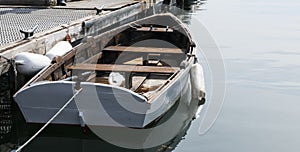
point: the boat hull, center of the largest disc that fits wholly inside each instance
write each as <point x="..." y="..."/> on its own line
<point x="97" y="104"/>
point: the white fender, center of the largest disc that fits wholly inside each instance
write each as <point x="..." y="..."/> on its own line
<point x="116" y="79"/>
<point x="59" y="49"/>
<point x="30" y="63"/>
<point x="197" y="80"/>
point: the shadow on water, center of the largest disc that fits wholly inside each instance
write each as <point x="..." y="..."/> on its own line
<point x="192" y="6"/>
<point x="188" y="8"/>
<point x="14" y="131"/>
<point x="6" y="116"/>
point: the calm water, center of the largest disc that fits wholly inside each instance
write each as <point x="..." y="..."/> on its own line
<point x="258" y="42"/>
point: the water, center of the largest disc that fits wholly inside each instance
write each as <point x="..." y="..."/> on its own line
<point x="258" y="42"/>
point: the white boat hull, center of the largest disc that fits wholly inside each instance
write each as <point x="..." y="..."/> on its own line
<point x="97" y="104"/>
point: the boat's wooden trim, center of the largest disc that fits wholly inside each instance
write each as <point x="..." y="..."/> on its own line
<point x="123" y="68"/>
<point x="144" y="49"/>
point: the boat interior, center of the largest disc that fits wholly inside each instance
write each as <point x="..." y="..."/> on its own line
<point x="143" y="59"/>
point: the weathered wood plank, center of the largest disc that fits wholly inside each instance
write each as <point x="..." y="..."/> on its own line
<point x="144" y="49"/>
<point x="123" y="68"/>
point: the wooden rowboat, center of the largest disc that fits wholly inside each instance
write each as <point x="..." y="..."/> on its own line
<point x="129" y="76"/>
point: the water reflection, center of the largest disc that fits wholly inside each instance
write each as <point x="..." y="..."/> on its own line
<point x="6" y="119"/>
<point x="193" y="6"/>
<point x="188" y="9"/>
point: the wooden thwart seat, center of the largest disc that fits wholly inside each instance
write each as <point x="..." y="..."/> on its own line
<point x="144" y="49"/>
<point x="123" y="68"/>
<point x="128" y="69"/>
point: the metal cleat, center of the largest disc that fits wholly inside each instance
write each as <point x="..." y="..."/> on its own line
<point x="99" y="9"/>
<point x="29" y="32"/>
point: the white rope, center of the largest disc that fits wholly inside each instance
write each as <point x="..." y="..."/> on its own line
<point x="132" y="26"/>
<point x="49" y="121"/>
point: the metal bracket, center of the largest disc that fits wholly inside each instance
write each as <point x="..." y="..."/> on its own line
<point x="190" y="54"/>
<point x="29" y="32"/>
<point x="99" y="9"/>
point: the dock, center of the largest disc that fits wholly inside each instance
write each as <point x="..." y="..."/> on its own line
<point x="54" y="22"/>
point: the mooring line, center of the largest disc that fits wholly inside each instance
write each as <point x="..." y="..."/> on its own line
<point x="2" y="56"/>
<point x="49" y="121"/>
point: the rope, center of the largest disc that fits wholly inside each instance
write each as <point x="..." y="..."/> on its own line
<point x="132" y="26"/>
<point x="2" y="56"/>
<point x="49" y="121"/>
